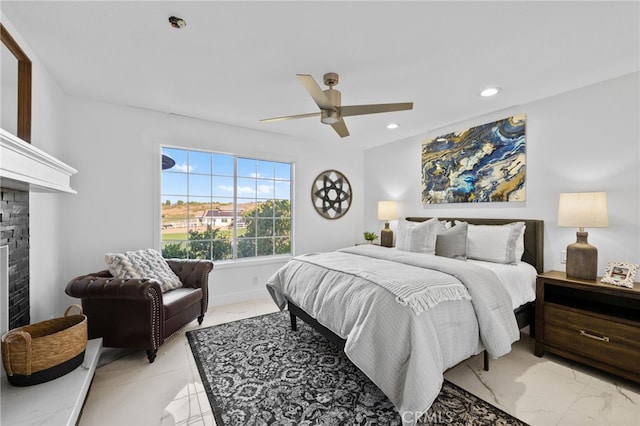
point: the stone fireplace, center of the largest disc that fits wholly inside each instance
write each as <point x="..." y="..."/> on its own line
<point x="14" y="237"/>
<point x="23" y="169"/>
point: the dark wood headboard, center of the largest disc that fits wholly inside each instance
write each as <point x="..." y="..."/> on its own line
<point x="533" y="235"/>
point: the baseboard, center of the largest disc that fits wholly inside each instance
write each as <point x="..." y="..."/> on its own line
<point x="237" y="297"/>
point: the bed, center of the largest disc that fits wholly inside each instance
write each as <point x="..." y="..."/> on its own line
<point x="404" y="316"/>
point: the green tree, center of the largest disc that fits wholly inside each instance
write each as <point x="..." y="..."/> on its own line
<point x="268" y="229"/>
<point x="174" y="251"/>
<point x="201" y="245"/>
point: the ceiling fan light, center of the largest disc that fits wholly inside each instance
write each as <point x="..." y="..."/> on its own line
<point x="329" y="117"/>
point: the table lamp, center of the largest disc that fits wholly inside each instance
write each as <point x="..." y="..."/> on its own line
<point x="387" y="211"/>
<point x="582" y="210"/>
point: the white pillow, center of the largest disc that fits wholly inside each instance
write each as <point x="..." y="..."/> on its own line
<point x="147" y="263"/>
<point x="443" y="225"/>
<point x="496" y="243"/>
<point x="418" y="237"/>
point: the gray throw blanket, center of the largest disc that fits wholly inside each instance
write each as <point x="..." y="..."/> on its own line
<point x="412" y="287"/>
<point x="498" y="325"/>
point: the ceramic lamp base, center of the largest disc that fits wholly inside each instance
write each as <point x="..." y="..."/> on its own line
<point x="386" y="236"/>
<point x="582" y="259"/>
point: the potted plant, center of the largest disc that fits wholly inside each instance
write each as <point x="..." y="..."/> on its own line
<point x="370" y="236"/>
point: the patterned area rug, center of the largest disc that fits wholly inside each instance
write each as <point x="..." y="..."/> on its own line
<point x="257" y="371"/>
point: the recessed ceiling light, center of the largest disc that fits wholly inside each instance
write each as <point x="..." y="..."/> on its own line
<point x="393" y="126"/>
<point x="489" y="91"/>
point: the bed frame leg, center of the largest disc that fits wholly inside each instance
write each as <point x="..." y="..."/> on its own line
<point x="486" y="361"/>
<point x="294" y="323"/>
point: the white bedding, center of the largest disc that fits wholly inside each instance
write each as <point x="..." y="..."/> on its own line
<point x="518" y="279"/>
<point x="402" y="352"/>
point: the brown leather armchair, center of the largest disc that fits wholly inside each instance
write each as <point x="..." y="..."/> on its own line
<point x="134" y="313"/>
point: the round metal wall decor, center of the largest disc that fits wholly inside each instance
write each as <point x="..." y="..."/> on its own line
<point x="331" y="194"/>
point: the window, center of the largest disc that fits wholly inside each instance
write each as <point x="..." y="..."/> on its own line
<point x="223" y="206"/>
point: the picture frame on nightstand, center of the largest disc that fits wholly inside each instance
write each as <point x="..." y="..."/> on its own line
<point x="620" y="273"/>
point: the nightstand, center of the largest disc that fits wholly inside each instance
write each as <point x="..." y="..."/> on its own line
<point x="590" y="322"/>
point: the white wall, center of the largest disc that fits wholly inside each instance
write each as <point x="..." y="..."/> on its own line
<point x="583" y="140"/>
<point x="116" y="151"/>
<point x="47" y="275"/>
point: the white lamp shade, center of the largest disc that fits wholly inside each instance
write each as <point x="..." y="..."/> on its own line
<point x="387" y="210"/>
<point x="583" y="210"/>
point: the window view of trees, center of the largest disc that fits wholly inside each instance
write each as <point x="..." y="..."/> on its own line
<point x="224" y="207"/>
<point x="268" y="230"/>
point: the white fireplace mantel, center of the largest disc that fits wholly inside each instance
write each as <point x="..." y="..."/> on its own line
<point x="27" y="168"/>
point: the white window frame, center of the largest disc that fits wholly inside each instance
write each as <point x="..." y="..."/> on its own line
<point x="257" y="258"/>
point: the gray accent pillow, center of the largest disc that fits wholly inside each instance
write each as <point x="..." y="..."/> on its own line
<point x="147" y="264"/>
<point x="452" y="242"/>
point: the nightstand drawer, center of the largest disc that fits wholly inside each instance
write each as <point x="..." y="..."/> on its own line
<point x="591" y="336"/>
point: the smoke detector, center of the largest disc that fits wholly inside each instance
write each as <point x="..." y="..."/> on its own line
<point x="177" y="22"/>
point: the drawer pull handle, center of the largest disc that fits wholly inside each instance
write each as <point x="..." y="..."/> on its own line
<point x="591" y="336"/>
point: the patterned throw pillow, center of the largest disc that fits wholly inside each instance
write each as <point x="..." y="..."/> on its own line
<point x="147" y="263"/>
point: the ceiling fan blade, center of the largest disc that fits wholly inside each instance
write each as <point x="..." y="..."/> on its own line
<point x="349" y="110"/>
<point x="316" y="92"/>
<point x="290" y="117"/>
<point x="341" y="128"/>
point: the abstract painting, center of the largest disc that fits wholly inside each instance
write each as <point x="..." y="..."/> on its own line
<point x="486" y="163"/>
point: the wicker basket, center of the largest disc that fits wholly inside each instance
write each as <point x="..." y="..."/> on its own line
<point x="46" y="350"/>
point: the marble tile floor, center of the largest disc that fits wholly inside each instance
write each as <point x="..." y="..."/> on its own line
<point x="127" y="390"/>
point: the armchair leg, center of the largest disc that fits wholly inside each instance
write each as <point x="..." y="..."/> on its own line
<point x="151" y="354"/>
<point x="200" y="319"/>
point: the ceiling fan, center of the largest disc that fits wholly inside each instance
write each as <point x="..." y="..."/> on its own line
<point x="331" y="112"/>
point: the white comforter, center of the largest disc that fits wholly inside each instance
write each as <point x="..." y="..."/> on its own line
<point x="402" y="352"/>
